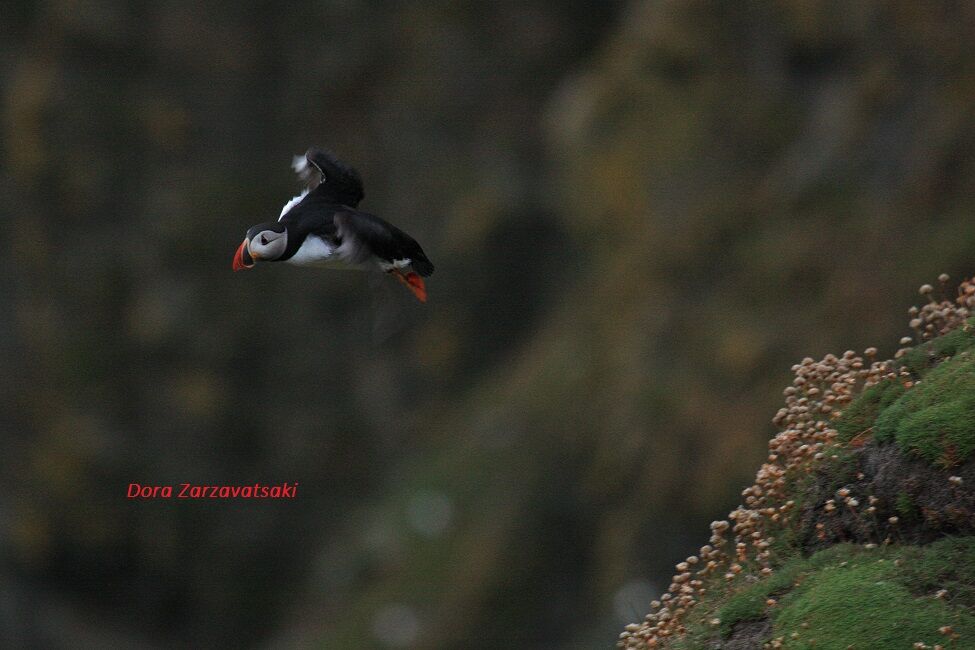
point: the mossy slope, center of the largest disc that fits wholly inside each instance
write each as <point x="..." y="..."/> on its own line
<point x="848" y="596"/>
<point x="873" y="546"/>
<point x="935" y="420"/>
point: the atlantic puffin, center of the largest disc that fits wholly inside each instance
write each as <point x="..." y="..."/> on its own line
<point x="322" y="227"/>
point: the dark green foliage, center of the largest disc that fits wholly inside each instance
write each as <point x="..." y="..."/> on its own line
<point x="861" y="414"/>
<point x="932" y="420"/>
<point x="857" y="600"/>
<point x="920" y="359"/>
<point x="848" y="596"/>
<point x="749" y="604"/>
<point x="906" y="507"/>
<point x="936" y="419"/>
<point x="947" y="564"/>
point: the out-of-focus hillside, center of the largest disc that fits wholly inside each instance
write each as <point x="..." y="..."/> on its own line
<point x="639" y="213"/>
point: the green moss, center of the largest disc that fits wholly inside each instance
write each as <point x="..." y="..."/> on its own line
<point x="749" y="604"/>
<point x="936" y="419"/>
<point x="862" y="603"/>
<point x="862" y="412"/>
<point x="954" y="342"/>
<point x="786" y="543"/>
<point x="906" y="507"/>
<point x="847" y="596"/>
<point x="947" y="564"/>
<point x="922" y="358"/>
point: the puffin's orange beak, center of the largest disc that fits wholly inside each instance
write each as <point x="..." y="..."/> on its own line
<point x="414" y="283"/>
<point x="242" y="258"/>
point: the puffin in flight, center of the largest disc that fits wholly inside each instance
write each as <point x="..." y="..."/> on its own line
<point x="322" y="227"/>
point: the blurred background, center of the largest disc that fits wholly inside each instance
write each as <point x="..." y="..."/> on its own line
<point x="642" y="213"/>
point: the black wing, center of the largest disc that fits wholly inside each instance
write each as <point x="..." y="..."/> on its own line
<point x="368" y="235"/>
<point x="329" y="177"/>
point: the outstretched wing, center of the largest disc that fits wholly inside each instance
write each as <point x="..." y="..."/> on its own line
<point x="365" y="235"/>
<point x="329" y="176"/>
<point x="307" y="172"/>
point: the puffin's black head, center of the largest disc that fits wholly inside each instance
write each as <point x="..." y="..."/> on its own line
<point x="265" y="242"/>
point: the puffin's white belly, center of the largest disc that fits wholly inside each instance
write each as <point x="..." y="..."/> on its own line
<point x="315" y="251"/>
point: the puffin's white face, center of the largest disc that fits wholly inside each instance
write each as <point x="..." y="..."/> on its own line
<point x="266" y="241"/>
<point x="268" y="245"/>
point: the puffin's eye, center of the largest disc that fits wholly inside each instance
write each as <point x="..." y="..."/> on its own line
<point x="263" y="240"/>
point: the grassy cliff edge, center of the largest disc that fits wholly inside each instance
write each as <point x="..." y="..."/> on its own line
<point x="859" y="531"/>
